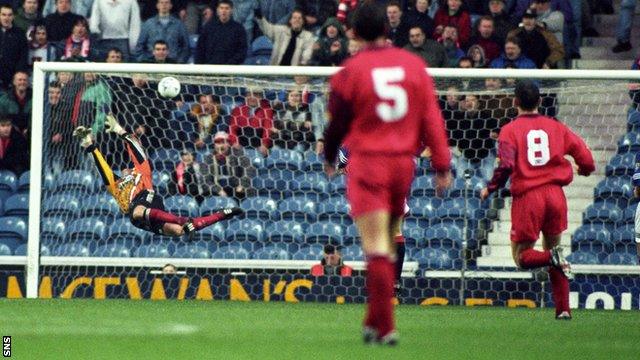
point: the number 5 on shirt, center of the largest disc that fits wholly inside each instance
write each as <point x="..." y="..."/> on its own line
<point x="385" y="85"/>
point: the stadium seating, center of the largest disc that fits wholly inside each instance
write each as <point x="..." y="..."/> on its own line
<point x="161" y="181"/>
<point x="334" y="209"/>
<point x="311" y="252"/>
<point x="152" y="251"/>
<point x="628" y="215"/>
<point x="285" y="159"/>
<point x="285" y="231"/>
<point x="433" y="258"/>
<point x="603" y="213"/>
<point x="215" y="203"/>
<point x="271" y="252"/>
<point x="52" y="230"/>
<point x="8" y="181"/>
<point x="325" y="233"/>
<point x="12" y="227"/>
<point x="234" y="251"/>
<point x="313" y="162"/>
<point x="71" y="250"/>
<point x="111" y="250"/>
<point x="298" y="208"/>
<point x="245" y="230"/>
<point x="630" y="142"/>
<point x="80" y="181"/>
<point x="583" y="257"/>
<point x="259" y="208"/>
<point x="182" y="205"/>
<point x="423" y="186"/>
<point x="23" y="181"/>
<point x="311" y="185"/>
<point x="621" y="258"/>
<point x="443" y="236"/>
<point x="63" y="205"/>
<point x="192" y="252"/>
<point x="338" y="186"/>
<point x="352" y="253"/>
<point x="86" y="230"/>
<point x="621" y="164"/>
<point x="100" y="205"/>
<point x="623" y="238"/>
<point x="215" y="232"/>
<point x="617" y="190"/>
<point x="5" y="250"/>
<point x="22" y="250"/>
<point x="122" y="232"/>
<point x="459" y="187"/>
<point x="594" y="238"/>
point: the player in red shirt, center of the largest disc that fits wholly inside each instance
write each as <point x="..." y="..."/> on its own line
<point x="531" y="150"/>
<point x="383" y="106"/>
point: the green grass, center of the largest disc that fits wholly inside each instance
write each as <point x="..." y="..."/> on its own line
<point x="125" y="329"/>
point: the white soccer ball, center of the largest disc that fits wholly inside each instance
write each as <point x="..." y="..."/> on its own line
<point x="169" y="87"/>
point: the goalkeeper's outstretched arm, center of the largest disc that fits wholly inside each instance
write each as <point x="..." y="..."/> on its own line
<point x="106" y="173"/>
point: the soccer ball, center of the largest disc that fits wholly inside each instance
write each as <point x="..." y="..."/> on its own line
<point x="169" y="87"/>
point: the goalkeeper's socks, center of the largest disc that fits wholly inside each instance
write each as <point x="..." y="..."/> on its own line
<point x="204" y="221"/>
<point x="380" y="274"/>
<point x="559" y="290"/>
<point x="156" y="215"/>
<point x="531" y="259"/>
<point x="400" y="250"/>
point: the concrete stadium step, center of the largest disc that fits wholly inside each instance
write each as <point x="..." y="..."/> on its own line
<point x="609" y="41"/>
<point x="592" y="95"/>
<point x="596" y="133"/>
<point x="597" y="111"/>
<point x="601" y="52"/>
<point x="596" y="120"/>
<point x="504" y="251"/>
<point x="602" y="64"/>
<point x="610" y="31"/>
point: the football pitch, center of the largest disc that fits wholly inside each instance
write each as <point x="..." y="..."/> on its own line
<point x="125" y="329"/>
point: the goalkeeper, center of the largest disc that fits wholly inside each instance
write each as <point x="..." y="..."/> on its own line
<point x="134" y="190"/>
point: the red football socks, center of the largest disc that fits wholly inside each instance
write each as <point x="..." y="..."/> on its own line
<point x="204" y="221"/>
<point x="380" y="275"/>
<point x="559" y="290"/>
<point x="160" y="216"/>
<point x="531" y="259"/>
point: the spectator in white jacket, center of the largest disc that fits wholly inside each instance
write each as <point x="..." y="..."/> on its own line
<point x="80" y="7"/>
<point x="292" y="45"/>
<point x="117" y="22"/>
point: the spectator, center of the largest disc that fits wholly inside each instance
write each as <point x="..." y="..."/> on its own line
<point x="512" y="57"/>
<point x="160" y="54"/>
<point x="13" y="47"/>
<point x="188" y="178"/>
<point x="27" y="15"/>
<point x="60" y="23"/>
<point x="345" y="9"/>
<point x="354" y="47"/>
<point x="623" y="29"/>
<point x="332" y="45"/>
<point x="117" y="23"/>
<point x="465" y="62"/>
<point x="419" y="16"/>
<point x="228" y="172"/>
<point x="195" y="14"/>
<point x="317" y="12"/>
<point x="251" y="124"/>
<point x="16" y="102"/>
<point x="501" y="22"/>
<point x="331" y="263"/>
<point x="453" y="15"/>
<point x="91" y="98"/>
<point x="450" y="104"/>
<point x="398" y="31"/>
<point x="476" y="53"/>
<point x="552" y="20"/>
<point x="114" y="55"/>
<point x="498" y="105"/>
<point x="429" y="50"/>
<point x="206" y="112"/>
<point x="39" y="47"/>
<point x="319" y="118"/>
<point x="167" y="28"/>
<point x="14" y="152"/>
<point x="450" y="42"/>
<point x="293" y="123"/>
<point x="78" y="44"/>
<point x="486" y="39"/>
<point x="533" y="44"/>
<point x="80" y="7"/>
<point x="292" y="45"/>
<point x="223" y="41"/>
<point x="56" y="111"/>
<point x="243" y="11"/>
<point x="277" y="11"/>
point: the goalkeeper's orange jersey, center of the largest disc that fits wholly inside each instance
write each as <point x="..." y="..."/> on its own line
<point x="125" y="189"/>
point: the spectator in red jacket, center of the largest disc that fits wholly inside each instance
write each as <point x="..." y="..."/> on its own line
<point x="331" y="263"/>
<point x="251" y="124"/>
<point x="14" y="152"/>
<point x="486" y="39"/>
<point x="454" y="15"/>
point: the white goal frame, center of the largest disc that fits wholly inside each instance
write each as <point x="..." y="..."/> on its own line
<point x="33" y="260"/>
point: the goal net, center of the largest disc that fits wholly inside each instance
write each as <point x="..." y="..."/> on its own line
<point x="248" y="137"/>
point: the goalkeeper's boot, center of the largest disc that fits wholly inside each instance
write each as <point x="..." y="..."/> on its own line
<point x="558" y="260"/>
<point x="565" y="315"/>
<point x="231" y="212"/>
<point x="369" y="335"/>
<point x="84" y="135"/>
<point x="391" y="339"/>
<point x="111" y="125"/>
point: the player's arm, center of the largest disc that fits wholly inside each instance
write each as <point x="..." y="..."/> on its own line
<point x="506" y="163"/>
<point x="108" y="177"/>
<point x="137" y="154"/>
<point x="341" y="118"/>
<point x="578" y="149"/>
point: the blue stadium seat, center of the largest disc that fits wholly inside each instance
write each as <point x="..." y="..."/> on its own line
<point x="4" y="250"/>
<point x="21" y="250"/>
<point x="257" y="60"/>
<point x="623" y="238"/>
<point x="285" y="231"/>
<point x="324" y="233"/>
<point x="338" y="185"/>
<point x="297" y="208"/>
<point x="443" y="236"/>
<point x="269" y="187"/>
<point x="256" y="158"/>
<point x="616" y="190"/>
<point x="8" y="181"/>
<point x="334" y="209"/>
<point x="162" y="154"/>
<point x="260" y="208"/>
<point x="10" y="243"/>
<point x="215" y="232"/>
<point x="433" y="258"/>
<point x="245" y="230"/>
<point x="271" y="252"/>
<point x="215" y="203"/>
<point x="621" y="258"/>
<point x="192" y="252"/>
<point x="182" y="205"/>
<point x="152" y="251"/>
<point x="628" y="214"/>
<point x="23" y="181"/>
<point x="121" y="231"/>
<point x="313" y="162"/>
<point x="75" y="180"/>
<point x="86" y="230"/>
<point x="603" y="213"/>
<point x="458" y="189"/>
<point x="351" y="235"/>
<point x="261" y="46"/>
<point x="100" y="205"/>
<point x="71" y="250"/>
<point x="633" y="121"/>
<point x="311" y="252"/>
<point x="234" y="252"/>
<point x="413" y="235"/>
<point x="13" y="228"/>
<point x="64" y="206"/>
<point x="423" y="186"/>
<point x="111" y="250"/>
<point x="278" y="174"/>
<point x="595" y="238"/>
<point x="52" y="230"/>
<point x="311" y="183"/>
<point x="48" y="183"/>
<point x="352" y="253"/>
<point x="17" y="205"/>
<point x="583" y="257"/>
<point x="285" y="159"/>
<point x="630" y="142"/>
<point x="453" y="212"/>
<point x="621" y="164"/>
<point x="161" y="181"/>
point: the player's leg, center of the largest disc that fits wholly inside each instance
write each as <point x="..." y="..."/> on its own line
<point x="559" y="280"/>
<point x="527" y="217"/>
<point x="398" y="240"/>
<point x="202" y="222"/>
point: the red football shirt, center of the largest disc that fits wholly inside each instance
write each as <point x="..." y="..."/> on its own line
<point x="532" y="149"/>
<point x="383" y="102"/>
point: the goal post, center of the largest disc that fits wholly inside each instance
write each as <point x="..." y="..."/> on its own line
<point x="610" y="85"/>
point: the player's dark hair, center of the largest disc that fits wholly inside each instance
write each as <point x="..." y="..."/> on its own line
<point x="527" y="95"/>
<point x="7" y="6"/>
<point x="55" y="84"/>
<point x="228" y="2"/>
<point x="369" y="21"/>
<point x="395" y="3"/>
<point x="513" y="40"/>
<point x="160" y="42"/>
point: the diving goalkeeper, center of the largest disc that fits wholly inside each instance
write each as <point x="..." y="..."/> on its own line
<point x="134" y="190"/>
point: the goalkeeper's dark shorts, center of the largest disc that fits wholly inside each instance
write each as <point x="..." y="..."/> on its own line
<point x="148" y="199"/>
